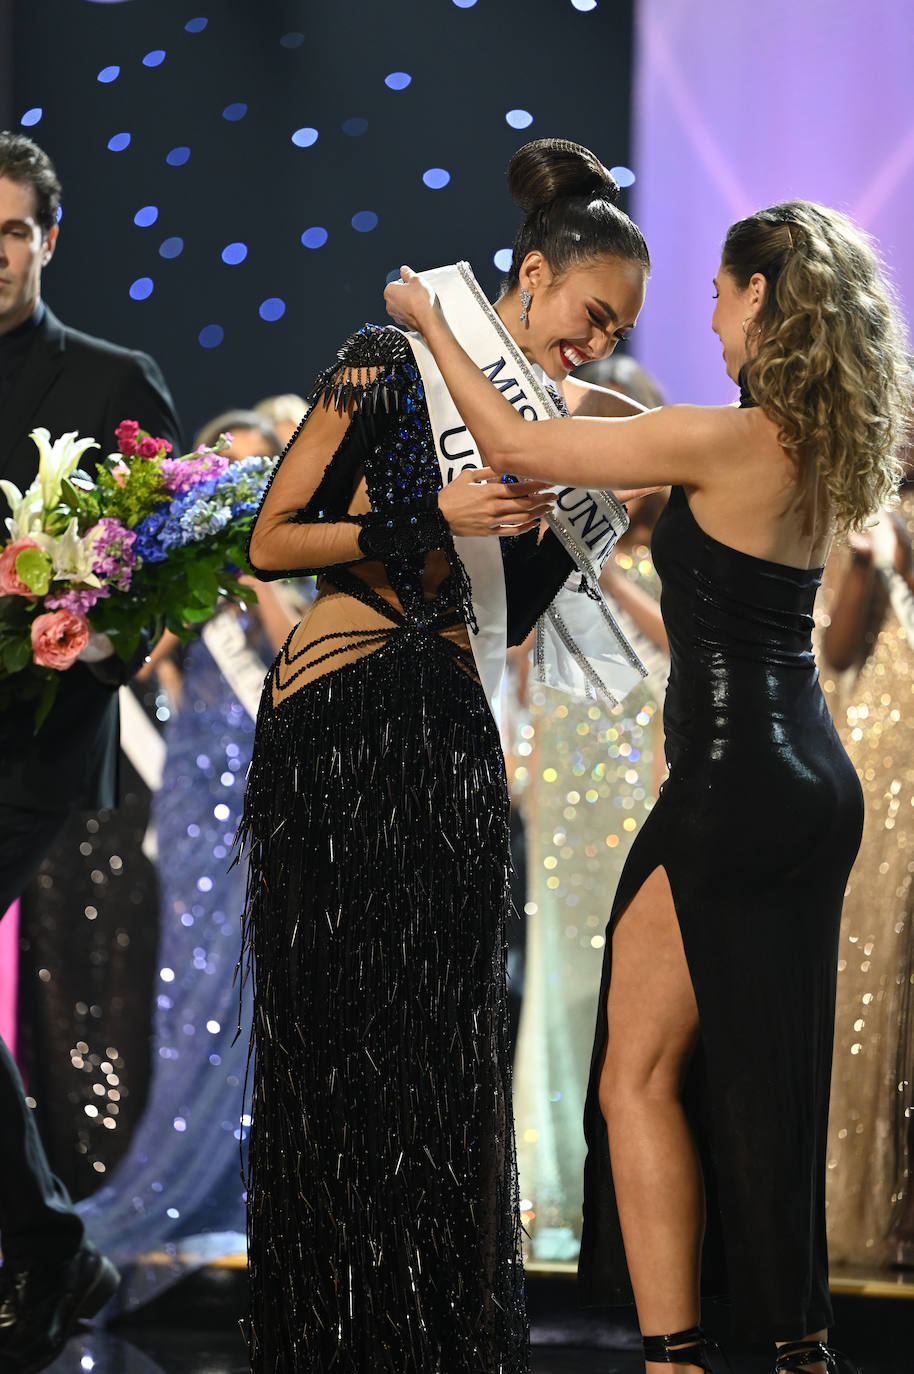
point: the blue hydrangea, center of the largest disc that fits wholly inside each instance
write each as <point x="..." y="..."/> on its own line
<point x="204" y="510"/>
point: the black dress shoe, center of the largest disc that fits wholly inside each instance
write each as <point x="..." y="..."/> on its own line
<point x="41" y="1306"/>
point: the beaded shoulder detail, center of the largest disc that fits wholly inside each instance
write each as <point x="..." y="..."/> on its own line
<point x="363" y="371"/>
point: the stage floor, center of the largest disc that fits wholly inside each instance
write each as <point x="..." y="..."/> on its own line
<point x="192" y="1329"/>
<point x="188" y="1352"/>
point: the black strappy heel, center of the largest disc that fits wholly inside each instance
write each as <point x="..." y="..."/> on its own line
<point x="682" y="1347"/>
<point x="796" y="1356"/>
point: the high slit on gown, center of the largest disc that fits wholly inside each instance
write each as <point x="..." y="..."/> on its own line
<point x="756" y="828"/>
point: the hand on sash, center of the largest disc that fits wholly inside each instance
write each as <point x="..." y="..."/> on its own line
<point x="409" y="301"/>
<point x="478" y="502"/>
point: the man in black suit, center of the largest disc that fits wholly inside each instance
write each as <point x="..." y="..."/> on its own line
<point x="54" y="377"/>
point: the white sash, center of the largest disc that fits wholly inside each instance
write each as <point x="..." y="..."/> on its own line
<point x="243" y="669"/>
<point x="140" y="740"/>
<point x="656" y="662"/>
<point x="885" y="541"/>
<point x="579" y="647"/>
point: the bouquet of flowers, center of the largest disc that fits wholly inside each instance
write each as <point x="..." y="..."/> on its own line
<point x="92" y="564"/>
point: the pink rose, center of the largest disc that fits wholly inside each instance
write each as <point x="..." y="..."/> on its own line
<point x="127" y="447"/>
<point x="127" y="429"/>
<point x="148" y="447"/>
<point x="58" y="637"/>
<point x="164" y="445"/>
<point x="11" y="583"/>
<point x="120" y="472"/>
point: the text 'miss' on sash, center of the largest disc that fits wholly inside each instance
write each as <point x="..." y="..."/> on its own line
<point x="579" y="648"/>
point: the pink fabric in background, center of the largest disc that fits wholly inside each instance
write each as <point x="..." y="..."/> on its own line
<point x="9" y="975"/>
<point x="738" y="105"/>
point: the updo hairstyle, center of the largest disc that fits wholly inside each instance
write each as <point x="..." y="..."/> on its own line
<point x="569" y="202"/>
<point x="830" y="364"/>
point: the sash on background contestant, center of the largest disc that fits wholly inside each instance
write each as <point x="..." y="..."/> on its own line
<point x="579" y="647"/>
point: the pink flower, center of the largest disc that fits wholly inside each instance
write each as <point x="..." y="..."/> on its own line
<point x="58" y="638"/>
<point x="164" y="445"/>
<point x="127" y="447"/>
<point x="148" y="447"/>
<point x="127" y="429"/>
<point x="11" y="583"/>
<point x="120" y="472"/>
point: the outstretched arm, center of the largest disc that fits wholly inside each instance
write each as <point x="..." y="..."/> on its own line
<point x="659" y="448"/>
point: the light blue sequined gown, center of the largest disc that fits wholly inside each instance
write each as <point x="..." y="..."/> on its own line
<point x="181" y="1176"/>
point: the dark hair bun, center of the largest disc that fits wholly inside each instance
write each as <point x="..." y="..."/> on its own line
<point x="551" y="168"/>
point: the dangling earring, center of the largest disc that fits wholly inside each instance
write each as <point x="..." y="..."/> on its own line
<point x="745" y="330"/>
<point x="525" y="302"/>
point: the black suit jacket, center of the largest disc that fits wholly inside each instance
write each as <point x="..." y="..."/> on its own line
<point x="71" y="381"/>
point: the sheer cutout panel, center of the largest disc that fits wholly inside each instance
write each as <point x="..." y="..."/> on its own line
<point x="338" y="629"/>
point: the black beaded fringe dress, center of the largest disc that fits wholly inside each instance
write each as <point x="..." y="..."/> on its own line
<point x="756" y="827"/>
<point x="384" y="1234"/>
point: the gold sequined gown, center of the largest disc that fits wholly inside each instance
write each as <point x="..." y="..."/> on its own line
<point x="869" y="1207"/>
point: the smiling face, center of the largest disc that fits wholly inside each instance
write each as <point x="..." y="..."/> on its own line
<point x="735" y="306"/>
<point x="579" y="315"/>
<point x="24" y="250"/>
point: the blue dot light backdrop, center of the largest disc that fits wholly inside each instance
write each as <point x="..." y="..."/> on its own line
<point x="241" y="180"/>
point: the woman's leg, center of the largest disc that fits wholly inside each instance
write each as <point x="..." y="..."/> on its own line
<point x="653" y="1031"/>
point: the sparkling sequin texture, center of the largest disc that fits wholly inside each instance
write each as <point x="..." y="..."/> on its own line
<point x="586" y="778"/>
<point x="871" y="1119"/>
<point x="384" y="1232"/>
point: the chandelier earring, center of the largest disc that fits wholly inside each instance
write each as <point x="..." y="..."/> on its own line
<point x="526" y="301"/>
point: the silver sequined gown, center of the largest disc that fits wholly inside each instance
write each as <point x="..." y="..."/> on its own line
<point x="383" y="1222"/>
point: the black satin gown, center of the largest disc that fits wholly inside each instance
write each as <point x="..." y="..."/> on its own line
<point x="757" y="827"/>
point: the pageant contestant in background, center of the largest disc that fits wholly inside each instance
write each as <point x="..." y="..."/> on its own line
<point x="867" y="648"/>
<point x="383" y="1218"/>
<point x="179" y="1187"/>
<point x="713" y="1047"/>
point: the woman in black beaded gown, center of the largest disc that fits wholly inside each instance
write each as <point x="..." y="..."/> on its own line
<point x="707" y="1110"/>
<point x="383" y="1222"/>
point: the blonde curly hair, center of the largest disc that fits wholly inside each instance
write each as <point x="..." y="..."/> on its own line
<point x="829" y="363"/>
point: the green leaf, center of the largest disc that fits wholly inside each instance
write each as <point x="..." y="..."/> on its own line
<point x="33" y="566"/>
<point x="194" y="614"/>
<point x="238" y="591"/>
<point x="202" y="582"/>
<point x="16" y="655"/>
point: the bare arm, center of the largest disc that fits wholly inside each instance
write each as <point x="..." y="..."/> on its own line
<point x="270" y="611"/>
<point x="475" y="503"/>
<point x="659" y="448"/>
<point x="844" y="638"/>
<point x="639" y="604"/>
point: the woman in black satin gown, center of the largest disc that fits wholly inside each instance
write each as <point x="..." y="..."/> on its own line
<point x="707" y="1109"/>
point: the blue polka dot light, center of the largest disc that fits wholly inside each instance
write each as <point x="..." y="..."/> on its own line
<point x="238" y="189"/>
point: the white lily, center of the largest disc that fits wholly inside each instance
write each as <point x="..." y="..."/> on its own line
<point x="27" y="511"/>
<point x="56" y="462"/>
<point x="71" y="556"/>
